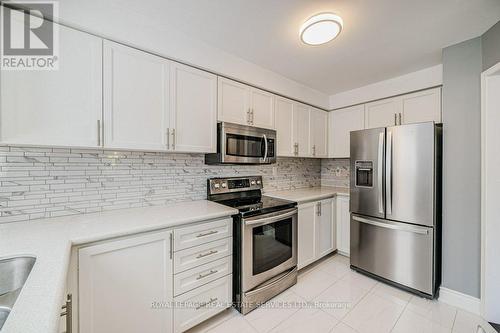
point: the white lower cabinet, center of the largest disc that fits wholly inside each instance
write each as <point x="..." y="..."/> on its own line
<point x="306" y="234"/>
<point x="202" y="303"/>
<point x="153" y="282"/>
<point x="316" y="231"/>
<point x="343" y="225"/>
<point x="120" y="280"/>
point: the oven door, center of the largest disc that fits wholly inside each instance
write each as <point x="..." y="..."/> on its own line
<point x="269" y="246"/>
<point x="244" y="144"/>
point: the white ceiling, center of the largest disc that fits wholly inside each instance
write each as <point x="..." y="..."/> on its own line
<point x="381" y="38"/>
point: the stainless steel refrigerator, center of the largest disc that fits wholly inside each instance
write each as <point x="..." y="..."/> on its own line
<point x="395" y="204"/>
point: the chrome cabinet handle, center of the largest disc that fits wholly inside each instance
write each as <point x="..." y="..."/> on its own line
<point x="207" y="233"/>
<point x="173" y="138"/>
<point x="395" y="119"/>
<point x="201" y="276"/>
<point x="201" y="255"/>
<point x="68" y="309"/>
<point x="98" y="132"/>
<point x="400" y="118"/>
<point x="204" y="304"/>
<point x="320" y="209"/>
<point x="314" y="150"/>
<point x="168" y="138"/>
<point x="295" y="149"/>
<point x="248" y="116"/>
<point x="251" y="114"/>
<point x="317" y="209"/>
<point x="171" y="237"/>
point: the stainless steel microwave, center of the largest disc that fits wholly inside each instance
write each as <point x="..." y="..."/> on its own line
<point x="239" y="144"/>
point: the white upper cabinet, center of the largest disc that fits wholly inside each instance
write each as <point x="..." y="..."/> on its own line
<point x="422" y="106"/>
<point x="410" y="108"/>
<point x="319" y="132"/>
<point x="341" y="123"/>
<point x="193" y="109"/>
<point x="61" y="107"/>
<point x="284" y="126"/>
<point x="301" y="130"/>
<point x="262" y="108"/>
<point x="382" y="113"/>
<point x="136" y="98"/>
<point x="233" y="102"/>
<point x="245" y="105"/>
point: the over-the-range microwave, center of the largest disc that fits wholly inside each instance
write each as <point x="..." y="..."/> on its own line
<point x="239" y="144"/>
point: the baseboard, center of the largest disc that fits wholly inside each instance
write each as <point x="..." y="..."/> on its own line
<point x="460" y="300"/>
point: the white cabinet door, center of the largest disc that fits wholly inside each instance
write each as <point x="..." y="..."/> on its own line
<point x="325" y="228"/>
<point x="262" y="108"/>
<point x="284" y="126"/>
<point x="233" y="102"/>
<point x="422" y="106"/>
<point x="318" y="130"/>
<point x="60" y="107"/>
<point x="301" y="129"/>
<point x="343" y="225"/>
<point x="193" y="109"/>
<point x="136" y="98"/>
<point x="341" y="123"/>
<point x="118" y="282"/>
<point x="306" y="234"/>
<point x="382" y="113"/>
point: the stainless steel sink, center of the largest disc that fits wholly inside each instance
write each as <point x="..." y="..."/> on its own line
<point x="13" y="274"/>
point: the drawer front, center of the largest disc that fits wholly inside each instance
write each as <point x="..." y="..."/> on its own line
<point x="202" y="233"/>
<point x="201" y="275"/>
<point x="202" y="303"/>
<point x="202" y="254"/>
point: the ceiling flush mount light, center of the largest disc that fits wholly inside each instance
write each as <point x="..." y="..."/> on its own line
<point x="321" y="28"/>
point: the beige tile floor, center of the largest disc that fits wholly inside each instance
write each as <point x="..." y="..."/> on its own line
<point x="362" y="305"/>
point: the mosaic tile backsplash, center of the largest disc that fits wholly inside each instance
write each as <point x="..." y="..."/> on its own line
<point x="48" y="182"/>
<point x="335" y="172"/>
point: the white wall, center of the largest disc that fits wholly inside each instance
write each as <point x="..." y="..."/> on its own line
<point x="132" y="29"/>
<point x="425" y="78"/>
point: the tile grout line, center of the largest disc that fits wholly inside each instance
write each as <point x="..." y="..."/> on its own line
<point x="401" y="314"/>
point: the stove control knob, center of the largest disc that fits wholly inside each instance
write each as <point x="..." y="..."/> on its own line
<point x="252" y="182"/>
<point x="224" y="185"/>
<point x="216" y="185"/>
<point x="258" y="182"/>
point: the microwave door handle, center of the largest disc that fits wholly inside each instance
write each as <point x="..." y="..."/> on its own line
<point x="265" y="147"/>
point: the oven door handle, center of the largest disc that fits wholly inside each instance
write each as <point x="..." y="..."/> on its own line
<point x="272" y="284"/>
<point x="269" y="218"/>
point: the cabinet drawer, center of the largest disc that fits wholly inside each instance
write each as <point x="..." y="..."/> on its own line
<point x="201" y="275"/>
<point x="202" y="254"/>
<point x="202" y="303"/>
<point x="202" y="233"/>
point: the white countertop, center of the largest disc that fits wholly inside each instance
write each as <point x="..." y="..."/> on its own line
<point x="302" y="195"/>
<point x="38" y="306"/>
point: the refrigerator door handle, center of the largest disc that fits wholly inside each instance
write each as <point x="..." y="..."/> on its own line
<point x="388" y="173"/>
<point x="380" y="173"/>
<point x="414" y="229"/>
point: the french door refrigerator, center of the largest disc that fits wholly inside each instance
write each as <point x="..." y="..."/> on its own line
<point x="395" y="205"/>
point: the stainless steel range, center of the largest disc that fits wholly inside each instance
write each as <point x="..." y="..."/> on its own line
<point x="264" y="240"/>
